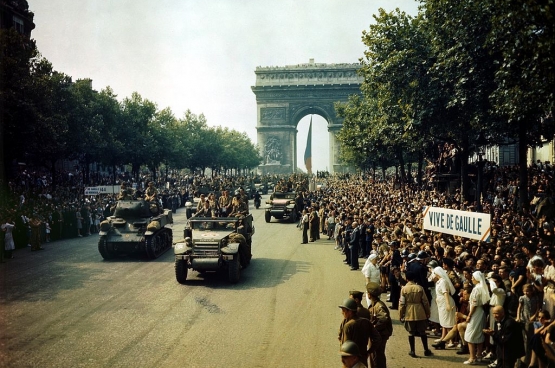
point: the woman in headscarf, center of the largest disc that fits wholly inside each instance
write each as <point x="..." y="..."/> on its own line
<point x="371" y="270"/>
<point x="476" y="317"/>
<point x="445" y="303"/>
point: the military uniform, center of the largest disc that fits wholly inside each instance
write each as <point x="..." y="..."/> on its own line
<point x="360" y="331"/>
<point x="151" y="193"/>
<point x="225" y="204"/>
<point x="240" y="209"/>
<point x="380" y="318"/>
<point x="414" y="308"/>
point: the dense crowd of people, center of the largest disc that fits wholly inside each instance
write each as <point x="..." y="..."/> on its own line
<point x="37" y="212"/>
<point x="469" y="294"/>
<point x="492" y="301"/>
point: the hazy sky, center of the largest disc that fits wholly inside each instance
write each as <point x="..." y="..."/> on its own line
<point x="201" y="54"/>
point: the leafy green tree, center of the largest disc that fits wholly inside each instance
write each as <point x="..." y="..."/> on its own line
<point x="17" y="54"/>
<point x="138" y="139"/>
<point x="49" y="134"/>
<point x="110" y="146"/>
<point x="388" y="120"/>
<point x="463" y="73"/>
<point x="523" y="34"/>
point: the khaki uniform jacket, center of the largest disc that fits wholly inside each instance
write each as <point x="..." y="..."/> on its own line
<point x="361" y="332"/>
<point x="413" y="305"/>
<point x="380" y="318"/>
<point x="224" y="202"/>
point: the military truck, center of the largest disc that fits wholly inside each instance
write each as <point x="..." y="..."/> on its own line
<point x="137" y="226"/>
<point x="282" y="206"/>
<point x="213" y="244"/>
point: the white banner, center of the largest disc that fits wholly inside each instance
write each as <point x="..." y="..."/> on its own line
<point x="102" y="189"/>
<point x="473" y="225"/>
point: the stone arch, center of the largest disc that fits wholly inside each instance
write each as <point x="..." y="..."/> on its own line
<point x="281" y="103"/>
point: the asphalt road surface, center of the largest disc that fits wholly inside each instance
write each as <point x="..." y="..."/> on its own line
<point x="67" y="307"/>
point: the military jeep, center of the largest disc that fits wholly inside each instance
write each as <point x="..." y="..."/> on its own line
<point x="213" y="244"/>
<point x="281" y="205"/>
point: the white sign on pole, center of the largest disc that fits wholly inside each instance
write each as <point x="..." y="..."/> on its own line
<point x="473" y="225"/>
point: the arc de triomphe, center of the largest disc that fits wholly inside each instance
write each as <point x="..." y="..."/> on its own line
<point x="284" y="95"/>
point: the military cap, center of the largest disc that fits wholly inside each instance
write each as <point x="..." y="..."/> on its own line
<point x="356" y="294"/>
<point x="374" y="289"/>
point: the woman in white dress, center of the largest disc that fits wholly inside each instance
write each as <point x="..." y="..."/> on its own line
<point x="445" y="303"/>
<point x="476" y="317"/>
<point x="371" y="271"/>
<point x="9" y="244"/>
<point x="434" y="313"/>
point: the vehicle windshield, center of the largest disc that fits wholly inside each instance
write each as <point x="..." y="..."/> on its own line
<point x="278" y="195"/>
<point x="211" y="224"/>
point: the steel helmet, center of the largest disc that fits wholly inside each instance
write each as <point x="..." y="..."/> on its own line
<point x="433" y="264"/>
<point x="349" y="304"/>
<point x="411" y="256"/>
<point x="405" y="253"/>
<point x="422" y="255"/>
<point x="349" y="348"/>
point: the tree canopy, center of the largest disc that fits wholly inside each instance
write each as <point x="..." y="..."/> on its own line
<point x="455" y="70"/>
<point x="47" y="117"/>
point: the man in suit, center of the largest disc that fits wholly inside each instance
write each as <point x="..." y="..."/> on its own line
<point x="354" y="243"/>
<point x="507" y="336"/>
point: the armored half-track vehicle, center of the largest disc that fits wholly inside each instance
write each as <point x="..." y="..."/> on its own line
<point x="281" y="206"/>
<point x="212" y="244"/>
<point x="136" y="226"/>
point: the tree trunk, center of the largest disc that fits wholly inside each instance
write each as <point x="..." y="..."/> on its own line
<point x="403" y="178"/>
<point x="53" y="173"/>
<point x="420" y="164"/>
<point x="463" y="161"/>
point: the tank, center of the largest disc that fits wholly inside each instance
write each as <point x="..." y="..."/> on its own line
<point x="136" y="227"/>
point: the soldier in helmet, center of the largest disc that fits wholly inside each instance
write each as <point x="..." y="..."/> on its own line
<point x="350" y="355"/>
<point x="359" y="330"/>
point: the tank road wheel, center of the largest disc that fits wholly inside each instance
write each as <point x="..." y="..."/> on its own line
<point x="103" y="248"/>
<point x="150" y="244"/>
<point x="267" y="216"/>
<point x="180" y="270"/>
<point x="158" y="243"/>
<point x="234" y="269"/>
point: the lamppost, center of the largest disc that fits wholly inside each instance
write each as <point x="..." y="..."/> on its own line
<point x="481" y="143"/>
